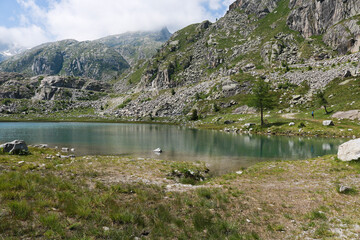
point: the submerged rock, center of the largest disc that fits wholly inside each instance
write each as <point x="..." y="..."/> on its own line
<point x="349" y="151"/>
<point x="15" y="147"/>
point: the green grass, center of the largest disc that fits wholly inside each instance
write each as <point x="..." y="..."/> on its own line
<point x="52" y="203"/>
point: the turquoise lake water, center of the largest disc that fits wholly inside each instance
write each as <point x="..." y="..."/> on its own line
<point x="222" y="151"/>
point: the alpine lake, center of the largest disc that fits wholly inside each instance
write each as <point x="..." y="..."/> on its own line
<point x="223" y="152"/>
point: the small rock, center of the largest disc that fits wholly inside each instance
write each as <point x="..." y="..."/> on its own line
<point x="239" y="172"/>
<point x="65" y="149"/>
<point x="248" y="125"/>
<point x="328" y="123"/>
<point x="158" y="150"/>
<point x="344" y="189"/>
<point x="296" y="97"/>
<point x="291" y="124"/>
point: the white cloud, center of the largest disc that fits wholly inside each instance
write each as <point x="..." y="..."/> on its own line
<point x="92" y="19"/>
<point x="25" y="37"/>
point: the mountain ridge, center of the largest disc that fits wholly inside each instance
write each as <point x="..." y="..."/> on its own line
<point x="98" y="59"/>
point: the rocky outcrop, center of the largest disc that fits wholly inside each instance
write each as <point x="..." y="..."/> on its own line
<point x="259" y="7"/>
<point x="324" y="17"/>
<point x="349" y="151"/>
<point x="61" y="88"/>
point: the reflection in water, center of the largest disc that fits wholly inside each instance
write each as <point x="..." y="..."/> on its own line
<point x="222" y="151"/>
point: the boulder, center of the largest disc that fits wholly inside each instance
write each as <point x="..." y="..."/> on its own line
<point x="328" y="123"/>
<point x="349" y="151"/>
<point x="15" y="147"/>
<point x="352" y="115"/>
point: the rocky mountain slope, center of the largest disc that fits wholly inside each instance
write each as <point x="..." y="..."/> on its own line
<point x="300" y="42"/>
<point x="134" y="46"/>
<point x="99" y="59"/>
<point x="69" y="58"/>
<point x="299" y="46"/>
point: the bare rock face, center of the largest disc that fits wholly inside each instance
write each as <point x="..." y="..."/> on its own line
<point x="349" y="151"/>
<point x="260" y="7"/>
<point x="324" y="17"/>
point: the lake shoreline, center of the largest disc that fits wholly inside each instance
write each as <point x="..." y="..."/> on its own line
<point x="204" y="124"/>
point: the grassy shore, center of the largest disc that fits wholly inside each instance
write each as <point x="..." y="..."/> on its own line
<point x="46" y="197"/>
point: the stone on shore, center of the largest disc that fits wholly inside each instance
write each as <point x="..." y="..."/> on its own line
<point x="349" y="151"/>
<point x="248" y="125"/>
<point x="15" y="147"/>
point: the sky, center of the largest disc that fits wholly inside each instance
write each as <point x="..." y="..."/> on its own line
<point x="28" y="23"/>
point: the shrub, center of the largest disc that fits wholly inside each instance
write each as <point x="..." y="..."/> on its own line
<point x="194" y="115"/>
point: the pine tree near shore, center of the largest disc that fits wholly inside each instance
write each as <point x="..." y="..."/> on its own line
<point x="262" y="98"/>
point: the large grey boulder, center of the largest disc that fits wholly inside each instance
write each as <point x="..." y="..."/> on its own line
<point x="15" y="147"/>
<point x="349" y="151"/>
<point x="352" y="115"/>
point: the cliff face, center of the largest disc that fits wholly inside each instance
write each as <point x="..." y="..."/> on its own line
<point x="337" y="20"/>
<point x="258" y="7"/>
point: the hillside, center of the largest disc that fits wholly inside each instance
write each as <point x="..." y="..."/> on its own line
<point x="211" y="67"/>
<point x="214" y="63"/>
<point x="103" y="59"/>
<point x="70" y="58"/>
<point x="134" y="46"/>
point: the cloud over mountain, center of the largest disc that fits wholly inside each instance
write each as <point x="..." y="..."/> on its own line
<point x="91" y="19"/>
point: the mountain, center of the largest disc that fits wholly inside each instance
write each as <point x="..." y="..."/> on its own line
<point x="134" y="46"/>
<point x="99" y="59"/>
<point x="70" y="58"/>
<point x="283" y="41"/>
<point x="299" y="46"/>
<point x="7" y="51"/>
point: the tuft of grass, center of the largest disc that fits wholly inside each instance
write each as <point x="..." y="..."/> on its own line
<point x="20" y="210"/>
<point x="316" y="215"/>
